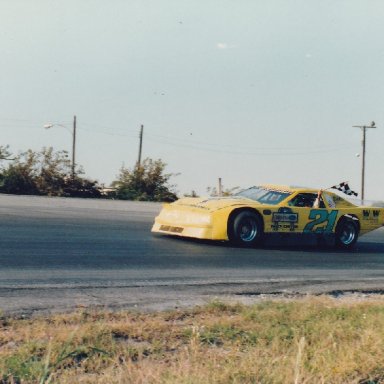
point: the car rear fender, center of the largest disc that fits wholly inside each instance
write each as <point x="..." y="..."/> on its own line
<point x="350" y="217"/>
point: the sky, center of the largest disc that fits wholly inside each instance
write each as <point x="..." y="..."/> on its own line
<point x="251" y="91"/>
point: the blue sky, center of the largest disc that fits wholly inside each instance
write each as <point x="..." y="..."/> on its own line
<point x="249" y="91"/>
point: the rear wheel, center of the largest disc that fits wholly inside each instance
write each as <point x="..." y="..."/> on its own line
<point x="246" y="229"/>
<point x="347" y="233"/>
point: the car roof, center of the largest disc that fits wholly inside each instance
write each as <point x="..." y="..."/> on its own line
<point x="288" y="189"/>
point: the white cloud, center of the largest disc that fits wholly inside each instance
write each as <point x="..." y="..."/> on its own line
<point x="224" y="46"/>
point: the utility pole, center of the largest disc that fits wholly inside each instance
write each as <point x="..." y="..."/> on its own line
<point x="140" y="145"/>
<point x="220" y="192"/>
<point x="364" y="129"/>
<point x="74" y="147"/>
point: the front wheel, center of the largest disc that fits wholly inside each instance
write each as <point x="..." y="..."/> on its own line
<point x="347" y="233"/>
<point x="246" y="229"/>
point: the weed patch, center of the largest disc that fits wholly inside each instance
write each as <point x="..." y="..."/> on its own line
<point x="302" y="341"/>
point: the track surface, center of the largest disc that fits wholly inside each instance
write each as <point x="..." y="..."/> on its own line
<point x="57" y="254"/>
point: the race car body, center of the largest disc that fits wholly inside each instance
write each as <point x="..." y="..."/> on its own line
<point x="247" y="216"/>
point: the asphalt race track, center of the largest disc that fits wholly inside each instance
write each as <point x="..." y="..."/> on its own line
<point x="57" y="254"/>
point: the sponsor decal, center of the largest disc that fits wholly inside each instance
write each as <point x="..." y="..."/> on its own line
<point x="284" y="215"/>
<point x="318" y="217"/>
<point x="371" y="215"/>
<point x="168" y="228"/>
<point x="291" y="227"/>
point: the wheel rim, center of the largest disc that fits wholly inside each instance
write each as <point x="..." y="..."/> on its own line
<point x="348" y="234"/>
<point x="248" y="230"/>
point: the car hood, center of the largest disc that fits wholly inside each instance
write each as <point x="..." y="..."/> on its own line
<point x="213" y="203"/>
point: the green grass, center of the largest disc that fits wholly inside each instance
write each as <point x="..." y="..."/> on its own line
<point x="311" y="340"/>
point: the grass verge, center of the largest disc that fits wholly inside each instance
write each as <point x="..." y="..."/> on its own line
<point x="311" y="340"/>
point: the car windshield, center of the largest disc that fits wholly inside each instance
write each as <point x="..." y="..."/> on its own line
<point x="263" y="195"/>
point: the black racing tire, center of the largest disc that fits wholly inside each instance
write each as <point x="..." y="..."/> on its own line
<point x="346" y="234"/>
<point x="246" y="229"/>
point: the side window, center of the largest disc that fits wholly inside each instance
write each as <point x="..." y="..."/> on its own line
<point x="329" y="200"/>
<point x="303" y="200"/>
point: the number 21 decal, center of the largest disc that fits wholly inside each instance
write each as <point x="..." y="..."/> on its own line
<point x="320" y="216"/>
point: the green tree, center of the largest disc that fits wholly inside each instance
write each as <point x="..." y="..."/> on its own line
<point x="145" y="182"/>
<point x="81" y="187"/>
<point x="18" y="178"/>
<point x="4" y="152"/>
<point x="45" y="173"/>
<point x="50" y="170"/>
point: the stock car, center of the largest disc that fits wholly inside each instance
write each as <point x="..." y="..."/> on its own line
<point x="245" y="218"/>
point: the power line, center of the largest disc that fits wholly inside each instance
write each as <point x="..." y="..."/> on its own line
<point x="190" y="143"/>
<point x="255" y="151"/>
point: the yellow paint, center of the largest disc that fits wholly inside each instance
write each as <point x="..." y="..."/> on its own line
<point x="207" y="218"/>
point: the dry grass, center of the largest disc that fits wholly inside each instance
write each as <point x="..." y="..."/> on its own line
<point x="312" y="340"/>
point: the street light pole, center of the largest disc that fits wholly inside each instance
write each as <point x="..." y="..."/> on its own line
<point x="73" y="165"/>
<point x="74" y="147"/>
<point x="364" y="129"/>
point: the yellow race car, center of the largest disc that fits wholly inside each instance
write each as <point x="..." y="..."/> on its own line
<point x="246" y="217"/>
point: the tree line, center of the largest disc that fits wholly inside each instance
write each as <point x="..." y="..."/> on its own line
<point x="49" y="173"/>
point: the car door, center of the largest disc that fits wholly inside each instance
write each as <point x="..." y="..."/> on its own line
<point x="322" y="219"/>
<point x="298" y="211"/>
<point x="299" y="215"/>
<point x="292" y="216"/>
